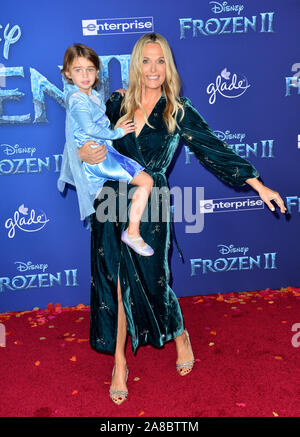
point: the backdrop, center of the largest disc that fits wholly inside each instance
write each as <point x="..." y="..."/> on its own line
<point x="238" y="64"/>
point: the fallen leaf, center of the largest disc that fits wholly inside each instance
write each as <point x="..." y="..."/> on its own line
<point x="73" y="358"/>
<point x="37" y="363"/>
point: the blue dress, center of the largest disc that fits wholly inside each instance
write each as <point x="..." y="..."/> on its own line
<point x="86" y="120"/>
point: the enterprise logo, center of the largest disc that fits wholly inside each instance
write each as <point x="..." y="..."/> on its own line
<point x="230" y="204"/>
<point x="117" y="26"/>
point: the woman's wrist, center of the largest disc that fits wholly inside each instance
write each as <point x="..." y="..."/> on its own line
<point x="255" y="184"/>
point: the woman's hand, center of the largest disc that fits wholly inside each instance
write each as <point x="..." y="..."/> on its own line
<point x="266" y="194"/>
<point x="92" y="155"/>
<point x="122" y="91"/>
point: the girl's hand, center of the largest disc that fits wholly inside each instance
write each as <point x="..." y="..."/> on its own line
<point x="122" y="91"/>
<point x="129" y="126"/>
<point x="266" y="194"/>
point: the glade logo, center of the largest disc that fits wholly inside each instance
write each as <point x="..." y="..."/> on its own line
<point x="27" y="222"/>
<point x="226" y="87"/>
<point x="218" y="8"/>
<point x="117" y="26"/>
<point x="16" y="149"/>
<point x="230" y="204"/>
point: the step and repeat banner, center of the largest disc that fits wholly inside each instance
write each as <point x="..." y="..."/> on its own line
<point x="239" y="64"/>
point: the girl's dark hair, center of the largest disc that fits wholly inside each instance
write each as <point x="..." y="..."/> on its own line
<point x="80" y="50"/>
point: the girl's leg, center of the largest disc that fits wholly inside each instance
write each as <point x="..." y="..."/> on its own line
<point x="138" y="203"/>
<point x="118" y="381"/>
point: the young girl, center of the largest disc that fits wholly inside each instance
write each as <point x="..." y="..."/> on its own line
<point x="86" y="120"/>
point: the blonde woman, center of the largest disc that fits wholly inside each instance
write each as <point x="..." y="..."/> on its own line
<point x="130" y="294"/>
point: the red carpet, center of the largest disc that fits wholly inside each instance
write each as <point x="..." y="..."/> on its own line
<point x="246" y="364"/>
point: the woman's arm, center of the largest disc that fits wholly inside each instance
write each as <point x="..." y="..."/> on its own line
<point x="219" y="158"/>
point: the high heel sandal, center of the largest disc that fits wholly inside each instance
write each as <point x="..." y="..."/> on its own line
<point x="188" y="364"/>
<point x="122" y="395"/>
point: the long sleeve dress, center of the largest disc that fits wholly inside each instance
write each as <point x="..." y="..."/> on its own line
<point x="86" y="120"/>
<point x="152" y="309"/>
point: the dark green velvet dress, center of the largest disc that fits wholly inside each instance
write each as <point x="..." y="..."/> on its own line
<point x="152" y="309"/>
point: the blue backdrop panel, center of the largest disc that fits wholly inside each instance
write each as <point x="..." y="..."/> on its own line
<point x="239" y="66"/>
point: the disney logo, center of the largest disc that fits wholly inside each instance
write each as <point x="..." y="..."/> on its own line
<point x="227" y="89"/>
<point x="229" y="136"/>
<point x="16" y="149"/>
<point x="23" y="267"/>
<point x="32" y="223"/>
<point x="10" y="37"/>
<point x="225" y="250"/>
<point x="218" y="8"/>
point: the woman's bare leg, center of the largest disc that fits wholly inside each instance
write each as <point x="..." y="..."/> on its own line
<point x="118" y="381"/>
<point x="139" y="202"/>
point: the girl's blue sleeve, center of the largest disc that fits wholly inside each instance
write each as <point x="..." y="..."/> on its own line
<point x="80" y="111"/>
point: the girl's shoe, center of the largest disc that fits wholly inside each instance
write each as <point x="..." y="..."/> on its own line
<point x="119" y="394"/>
<point x="135" y="244"/>
<point x="185" y="368"/>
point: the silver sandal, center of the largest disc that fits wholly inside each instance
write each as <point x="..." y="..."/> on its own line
<point x="122" y="394"/>
<point x="188" y="364"/>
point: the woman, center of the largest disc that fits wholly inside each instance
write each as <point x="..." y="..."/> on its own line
<point x="130" y="293"/>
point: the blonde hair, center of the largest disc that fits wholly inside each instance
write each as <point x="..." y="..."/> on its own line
<point x="170" y="87"/>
